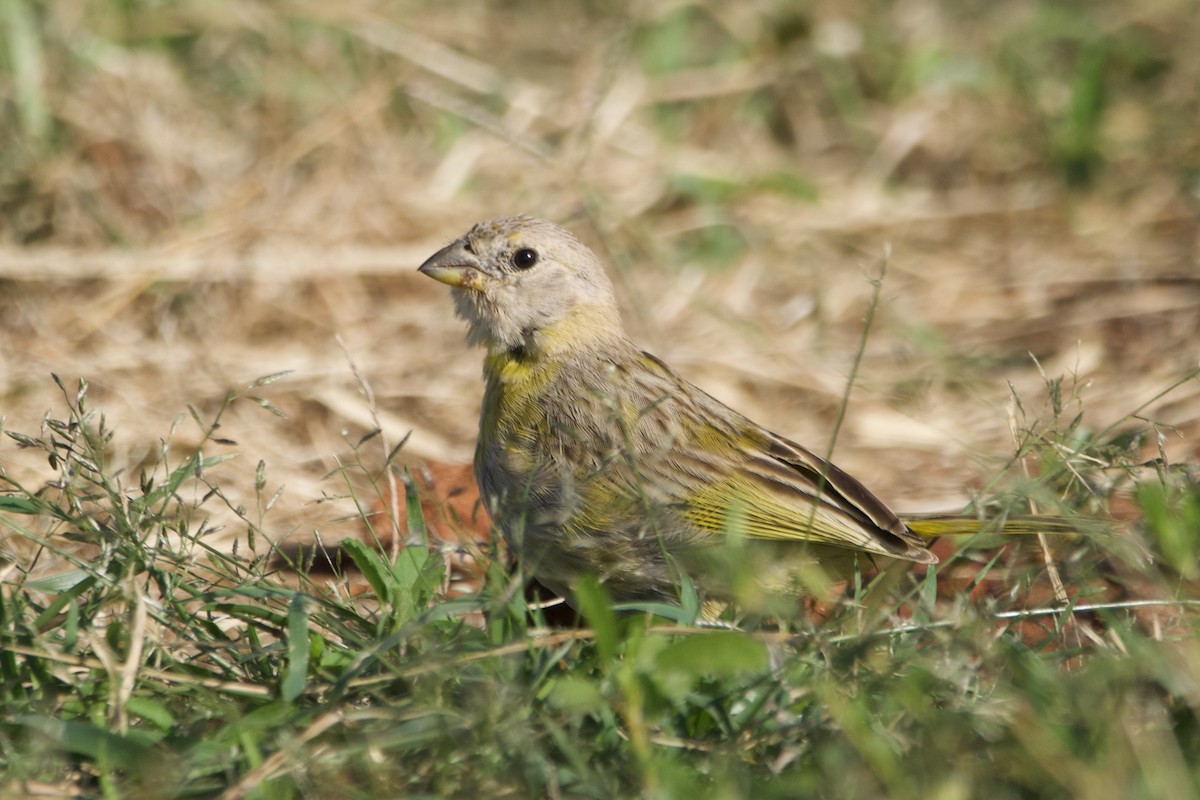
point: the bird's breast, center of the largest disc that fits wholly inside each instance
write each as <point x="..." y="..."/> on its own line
<point x="513" y="425"/>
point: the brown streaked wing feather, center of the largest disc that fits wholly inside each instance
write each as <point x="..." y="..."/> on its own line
<point x="811" y="498"/>
<point x="838" y="489"/>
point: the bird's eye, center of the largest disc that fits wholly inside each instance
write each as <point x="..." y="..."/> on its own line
<point x="524" y="258"/>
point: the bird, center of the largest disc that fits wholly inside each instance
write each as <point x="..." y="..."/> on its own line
<point x="595" y="458"/>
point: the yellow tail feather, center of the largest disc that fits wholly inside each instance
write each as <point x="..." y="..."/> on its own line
<point x="931" y="526"/>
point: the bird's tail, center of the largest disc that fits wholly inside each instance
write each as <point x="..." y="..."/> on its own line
<point x="930" y="526"/>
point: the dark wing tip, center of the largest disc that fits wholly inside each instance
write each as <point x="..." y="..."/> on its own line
<point x="920" y="555"/>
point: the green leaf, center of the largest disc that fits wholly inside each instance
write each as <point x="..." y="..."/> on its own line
<point x="719" y="654"/>
<point x="152" y="711"/>
<point x="417" y="533"/>
<point x="61" y="581"/>
<point x="295" y="676"/>
<point x="371" y="565"/>
<point x="409" y="563"/>
<point x="575" y="695"/>
<point x="597" y="609"/>
<point x="1173" y="519"/>
<point x="17" y="504"/>
<point x="417" y="575"/>
<point x="689" y="598"/>
<point x="125" y="751"/>
<point x="71" y="626"/>
<point x="62" y="600"/>
<point x="677" y="614"/>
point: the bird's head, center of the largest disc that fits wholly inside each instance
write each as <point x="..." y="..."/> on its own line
<point x="527" y="285"/>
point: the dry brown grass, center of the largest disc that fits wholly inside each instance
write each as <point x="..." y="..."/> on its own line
<point x="188" y="233"/>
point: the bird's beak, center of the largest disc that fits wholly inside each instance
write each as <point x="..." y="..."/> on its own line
<point x="454" y="266"/>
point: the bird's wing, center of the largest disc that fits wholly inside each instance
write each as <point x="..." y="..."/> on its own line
<point x="725" y="471"/>
<point x="812" y="498"/>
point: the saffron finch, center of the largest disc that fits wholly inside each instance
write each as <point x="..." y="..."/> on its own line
<point x="596" y="458"/>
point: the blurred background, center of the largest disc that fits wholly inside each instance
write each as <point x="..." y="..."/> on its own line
<point x="197" y="194"/>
